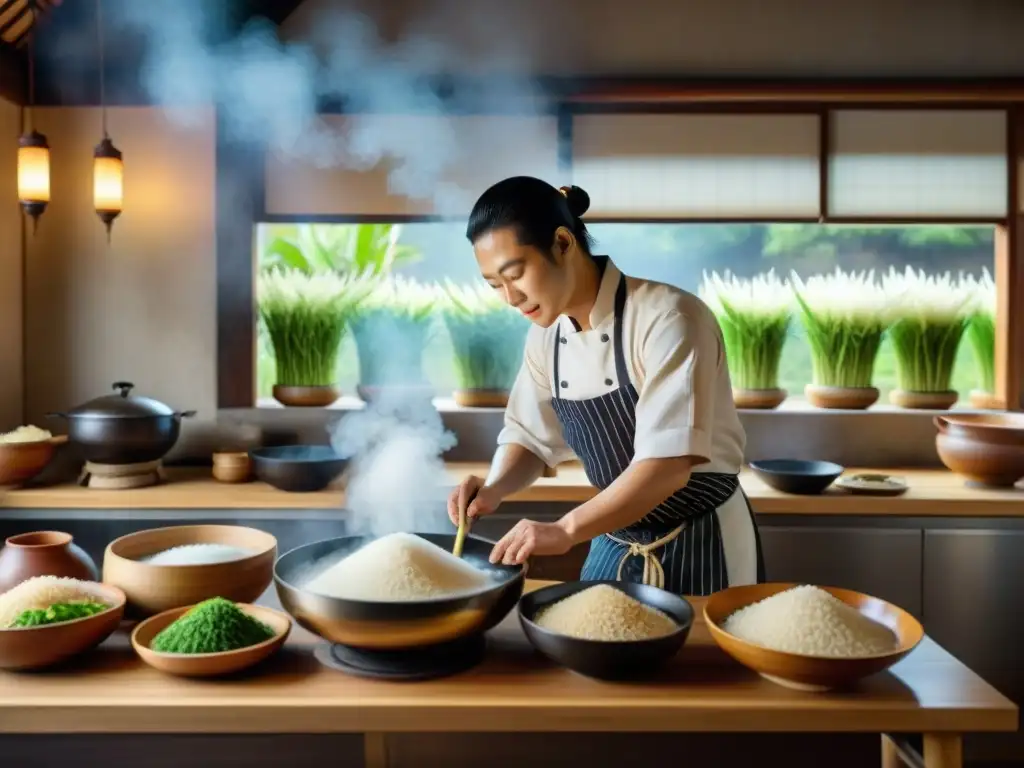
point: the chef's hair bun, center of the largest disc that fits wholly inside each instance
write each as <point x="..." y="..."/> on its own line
<point x="577" y="199"/>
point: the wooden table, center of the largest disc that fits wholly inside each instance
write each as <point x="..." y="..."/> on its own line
<point x="932" y="493"/>
<point x="514" y="690"/>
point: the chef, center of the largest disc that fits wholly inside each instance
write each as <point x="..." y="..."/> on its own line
<point x="630" y="377"/>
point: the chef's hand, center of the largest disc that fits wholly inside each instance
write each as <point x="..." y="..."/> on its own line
<point x="484" y="502"/>
<point x="531" y="538"/>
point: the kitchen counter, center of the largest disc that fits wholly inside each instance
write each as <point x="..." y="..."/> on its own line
<point x="513" y="690"/>
<point x="933" y="493"/>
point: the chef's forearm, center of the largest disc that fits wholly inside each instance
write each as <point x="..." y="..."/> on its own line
<point x="634" y="493"/>
<point x="514" y="468"/>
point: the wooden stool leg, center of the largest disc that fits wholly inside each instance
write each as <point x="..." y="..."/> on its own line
<point x="890" y="756"/>
<point x="943" y="750"/>
<point x="375" y="750"/>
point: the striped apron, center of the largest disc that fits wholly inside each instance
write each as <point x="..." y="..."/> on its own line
<point x="678" y="545"/>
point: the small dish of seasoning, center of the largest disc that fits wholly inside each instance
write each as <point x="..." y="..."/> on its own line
<point x="873" y="484"/>
<point x="214" y="637"/>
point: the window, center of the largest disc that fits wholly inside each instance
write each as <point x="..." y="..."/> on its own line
<point x="679" y="253"/>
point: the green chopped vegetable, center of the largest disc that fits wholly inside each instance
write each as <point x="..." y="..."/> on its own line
<point x="213" y="626"/>
<point x="57" y="613"/>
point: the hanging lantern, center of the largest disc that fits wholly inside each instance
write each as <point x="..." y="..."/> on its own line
<point x="108" y="182"/>
<point x="33" y="174"/>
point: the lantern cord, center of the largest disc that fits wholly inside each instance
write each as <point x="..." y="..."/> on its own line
<point x="103" y="98"/>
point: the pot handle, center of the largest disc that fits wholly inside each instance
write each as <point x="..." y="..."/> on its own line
<point x="123" y="387"/>
<point x="940" y="423"/>
<point x="184" y="415"/>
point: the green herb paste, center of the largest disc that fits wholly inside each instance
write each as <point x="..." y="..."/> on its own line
<point x="57" y="613"/>
<point x="212" y="626"/>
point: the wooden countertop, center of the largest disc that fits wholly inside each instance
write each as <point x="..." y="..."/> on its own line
<point x="933" y="493"/>
<point x="514" y="689"/>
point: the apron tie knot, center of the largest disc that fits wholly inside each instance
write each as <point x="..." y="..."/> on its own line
<point x="654" y="573"/>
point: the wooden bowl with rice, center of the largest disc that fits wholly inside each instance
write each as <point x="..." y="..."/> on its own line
<point x="186" y="579"/>
<point x="36" y="647"/>
<point x="24" y="453"/>
<point x="868" y="639"/>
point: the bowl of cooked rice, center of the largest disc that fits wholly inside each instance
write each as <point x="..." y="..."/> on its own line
<point x="609" y="630"/>
<point x="164" y="568"/>
<point x="46" y="620"/>
<point x="400" y="591"/>
<point x="25" y="452"/>
<point x="810" y="638"/>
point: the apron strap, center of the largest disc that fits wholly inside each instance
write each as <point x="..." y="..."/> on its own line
<point x="654" y="574"/>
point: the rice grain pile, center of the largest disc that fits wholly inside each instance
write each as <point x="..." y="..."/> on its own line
<point x="40" y="592"/>
<point x="809" y="621"/>
<point x="26" y="434"/>
<point x="605" y="613"/>
<point x="398" y="567"/>
<point x="197" y="554"/>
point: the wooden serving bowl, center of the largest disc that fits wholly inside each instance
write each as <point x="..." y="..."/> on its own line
<point x="26" y="648"/>
<point x="20" y="462"/>
<point x="209" y="664"/>
<point x="152" y="589"/>
<point x="984" y="448"/>
<point x="809" y="673"/>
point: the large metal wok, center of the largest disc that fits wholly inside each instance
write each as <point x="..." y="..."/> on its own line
<point x="396" y="625"/>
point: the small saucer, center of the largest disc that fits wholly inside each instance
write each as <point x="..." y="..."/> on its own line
<point x="873" y="484"/>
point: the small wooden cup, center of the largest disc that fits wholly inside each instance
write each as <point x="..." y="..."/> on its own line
<point x="232" y="467"/>
<point x="209" y="664"/>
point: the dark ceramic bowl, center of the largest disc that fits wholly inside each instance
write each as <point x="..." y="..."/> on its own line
<point x="797" y="476"/>
<point x="297" y="468"/>
<point x="599" y="658"/>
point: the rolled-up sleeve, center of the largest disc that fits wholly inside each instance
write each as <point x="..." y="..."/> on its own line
<point x="530" y="421"/>
<point x="682" y="355"/>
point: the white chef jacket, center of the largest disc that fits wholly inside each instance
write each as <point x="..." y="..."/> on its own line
<point x="675" y="357"/>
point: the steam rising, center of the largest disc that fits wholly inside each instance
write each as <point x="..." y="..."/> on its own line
<point x="395" y="446"/>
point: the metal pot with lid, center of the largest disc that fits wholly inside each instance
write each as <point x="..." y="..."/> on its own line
<point x="122" y="428"/>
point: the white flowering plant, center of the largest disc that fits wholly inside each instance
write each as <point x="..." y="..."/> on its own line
<point x="487" y="336"/>
<point x="931" y="315"/>
<point x="845" y="316"/>
<point x="981" y="331"/>
<point x="305" y="317"/>
<point x="755" y="315"/>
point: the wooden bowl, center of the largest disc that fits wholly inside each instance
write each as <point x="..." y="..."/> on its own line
<point x="209" y="664"/>
<point x="20" y="462"/>
<point x="984" y="448"/>
<point x="809" y="673"/>
<point x="25" y="648"/>
<point x="152" y="589"/>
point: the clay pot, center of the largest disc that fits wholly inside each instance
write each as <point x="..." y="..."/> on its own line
<point x="932" y="401"/>
<point x="480" y="398"/>
<point x="306" y="397"/>
<point x="762" y="399"/>
<point x="844" y="398"/>
<point x="986" y="449"/>
<point x="985" y="401"/>
<point x="43" y="553"/>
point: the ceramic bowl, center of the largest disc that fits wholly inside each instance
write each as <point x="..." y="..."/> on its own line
<point x="797" y="476"/>
<point x="298" y="468"/>
<point x="802" y="672"/>
<point x="602" y="659"/>
<point x="984" y="448"/>
<point x="209" y="664"/>
<point x="152" y="589"/>
<point x="26" y="648"/>
<point x="20" y="462"/>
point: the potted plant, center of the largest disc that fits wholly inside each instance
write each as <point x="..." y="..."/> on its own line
<point x="844" y="317"/>
<point x="981" y="335"/>
<point x="487" y="338"/>
<point x="755" y="316"/>
<point x="930" y="315"/>
<point x="305" y="316"/>
<point x="391" y="329"/>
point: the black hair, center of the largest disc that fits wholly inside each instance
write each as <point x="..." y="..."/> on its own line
<point x="534" y="209"/>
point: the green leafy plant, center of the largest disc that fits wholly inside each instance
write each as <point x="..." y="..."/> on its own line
<point x="755" y="316"/>
<point x="981" y="331"/>
<point x="364" y="249"/>
<point x="304" y="317"/>
<point x="931" y="315"/>
<point x="487" y="337"/>
<point x="391" y="329"/>
<point x="844" y="317"/>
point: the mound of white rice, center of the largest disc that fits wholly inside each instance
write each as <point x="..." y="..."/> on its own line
<point x="41" y="592"/>
<point x="603" y="612"/>
<point x="197" y="554"/>
<point x="809" y="621"/>
<point x="398" y="567"/>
